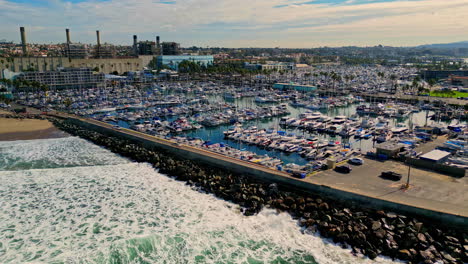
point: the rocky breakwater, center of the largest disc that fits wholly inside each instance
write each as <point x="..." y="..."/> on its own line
<point x="367" y="232"/>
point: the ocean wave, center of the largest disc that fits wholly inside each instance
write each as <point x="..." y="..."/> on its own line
<point x="53" y="153"/>
<point x="81" y="211"/>
<point x="129" y="213"/>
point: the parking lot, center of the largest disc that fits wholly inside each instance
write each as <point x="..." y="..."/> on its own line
<point x="428" y="189"/>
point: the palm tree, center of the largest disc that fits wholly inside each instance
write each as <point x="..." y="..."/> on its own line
<point x="393" y="77"/>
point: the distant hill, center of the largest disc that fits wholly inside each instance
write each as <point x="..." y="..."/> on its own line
<point x="454" y="45"/>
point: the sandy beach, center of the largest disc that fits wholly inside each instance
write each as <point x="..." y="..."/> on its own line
<point x="23" y="129"/>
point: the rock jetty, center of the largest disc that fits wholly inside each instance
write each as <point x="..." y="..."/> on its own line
<point x="367" y="232"/>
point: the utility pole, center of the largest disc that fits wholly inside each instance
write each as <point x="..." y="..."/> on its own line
<point x="406" y="186"/>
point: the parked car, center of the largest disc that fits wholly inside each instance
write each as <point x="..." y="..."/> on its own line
<point x="343" y="169"/>
<point x="356" y="161"/>
<point x="391" y="175"/>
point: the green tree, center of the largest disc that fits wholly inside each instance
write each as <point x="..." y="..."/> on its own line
<point x="67" y="102"/>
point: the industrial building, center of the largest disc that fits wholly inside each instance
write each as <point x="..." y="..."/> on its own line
<point x="436" y="156"/>
<point x="389" y="149"/>
<point x="71" y="78"/>
<point x="105" y="65"/>
<point x="173" y="61"/>
<point x="427" y="75"/>
<point x="100" y="57"/>
<point x="77" y="51"/>
<point x="277" y="66"/>
<point x="458" y="80"/>
<point x="170" y="48"/>
<point x="104" y="51"/>
<point x="292" y="86"/>
<point x="147" y="48"/>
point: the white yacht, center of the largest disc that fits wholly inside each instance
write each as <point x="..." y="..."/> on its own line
<point x="399" y="128"/>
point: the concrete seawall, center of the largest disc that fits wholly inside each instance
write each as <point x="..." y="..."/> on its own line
<point x="457" y="172"/>
<point x="271" y="175"/>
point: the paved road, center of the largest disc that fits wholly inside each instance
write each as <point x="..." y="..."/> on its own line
<point x="428" y="189"/>
<point x="431" y="145"/>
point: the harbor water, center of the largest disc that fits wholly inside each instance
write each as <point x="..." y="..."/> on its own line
<point x="69" y="201"/>
<point x="215" y="134"/>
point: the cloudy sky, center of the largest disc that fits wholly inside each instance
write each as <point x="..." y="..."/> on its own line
<point x="240" y="23"/>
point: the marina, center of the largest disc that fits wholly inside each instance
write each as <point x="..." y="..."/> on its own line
<point x="292" y="131"/>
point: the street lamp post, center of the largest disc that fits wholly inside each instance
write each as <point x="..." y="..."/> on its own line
<point x="408" y="178"/>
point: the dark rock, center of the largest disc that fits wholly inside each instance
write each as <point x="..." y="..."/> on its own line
<point x="381" y="213"/>
<point x="418" y="226"/>
<point x="311" y="230"/>
<point x="310" y="222"/>
<point x="380" y="233"/>
<point x="323" y="224"/>
<point x="324" y="206"/>
<point x="456" y="252"/>
<point x="310" y="206"/>
<point x="327" y="218"/>
<point x="273" y="189"/>
<point x="391" y="215"/>
<point x="452" y="239"/>
<point x="429" y="238"/>
<point x="371" y="254"/>
<point x="300" y="200"/>
<point x="426" y="254"/>
<point x="422" y="238"/>
<point x="356" y="251"/>
<point x="302" y="222"/>
<point x="289" y="200"/>
<point x="376" y="225"/>
<point x="343" y="237"/>
<point x="255" y="198"/>
<point x="293" y="207"/>
<point x="447" y="256"/>
<point x="404" y="254"/>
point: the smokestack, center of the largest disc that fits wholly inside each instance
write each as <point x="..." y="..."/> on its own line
<point x="135" y="45"/>
<point x="67" y="31"/>
<point x="23" y="41"/>
<point x="98" y="35"/>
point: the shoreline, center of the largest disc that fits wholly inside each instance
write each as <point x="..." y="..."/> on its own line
<point x="367" y="232"/>
<point x="17" y="127"/>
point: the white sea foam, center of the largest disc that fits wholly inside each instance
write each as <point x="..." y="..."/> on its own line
<point x="53" y="153"/>
<point x="129" y="213"/>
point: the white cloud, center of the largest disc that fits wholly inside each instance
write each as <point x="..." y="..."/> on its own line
<point x="241" y="22"/>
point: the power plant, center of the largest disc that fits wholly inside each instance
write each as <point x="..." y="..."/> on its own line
<point x="100" y="57"/>
<point x="78" y="50"/>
